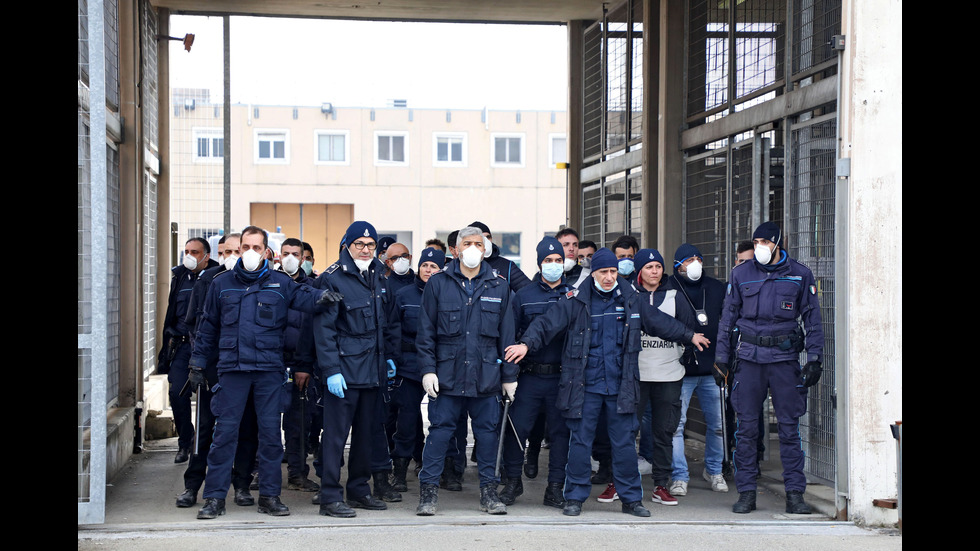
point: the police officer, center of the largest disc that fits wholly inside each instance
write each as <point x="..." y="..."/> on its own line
<point x="766" y="301"/>
<point x="505" y="267"/>
<point x="245" y="317"/>
<point x="539" y="374"/>
<point x="176" y="337"/>
<point x="465" y="324"/>
<point x="602" y="321"/>
<point x="398" y="260"/>
<point x="356" y="349"/>
<point x="407" y="396"/>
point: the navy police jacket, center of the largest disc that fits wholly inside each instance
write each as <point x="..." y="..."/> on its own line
<point x="298" y="345"/>
<point x="464" y="327"/>
<point x="771" y="301"/>
<point x="408" y="302"/>
<point x="572" y="315"/>
<point x="245" y="318"/>
<point x="356" y="336"/>
<point x="532" y="301"/>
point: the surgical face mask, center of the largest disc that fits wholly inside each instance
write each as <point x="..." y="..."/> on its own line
<point x="551" y="272"/>
<point x="362" y="264"/>
<point x="190" y="262"/>
<point x="290" y="264"/>
<point x="230" y="261"/>
<point x="694" y="270"/>
<point x="487" y="247"/>
<point x="251" y="260"/>
<point x="569" y="264"/>
<point x="471" y="256"/>
<point x="599" y="287"/>
<point x="401" y="266"/>
<point x="763" y="254"/>
<point x="625" y="266"/>
<point x="307" y="267"/>
<point x="585" y="262"/>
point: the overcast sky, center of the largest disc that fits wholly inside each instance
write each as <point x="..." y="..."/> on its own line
<point x="366" y="64"/>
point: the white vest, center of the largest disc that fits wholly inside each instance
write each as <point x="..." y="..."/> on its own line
<point x="660" y="360"/>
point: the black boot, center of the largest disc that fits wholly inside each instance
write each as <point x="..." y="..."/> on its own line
<point x="183" y="454"/>
<point x="383" y="489"/>
<point x="572" y="508"/>
<point x="490" y="502"/>
<point x="243" y="497"/>
<point x="450" y="478"/>
<point x="213" y="508"/>
<point x="531" y="460"/>
<point x="272" y="505"/>
<point x="187" y="499"/>
<point x="367" y="502"/>
<point x="337" y="509"/>
<point x="428" y="497"/>
<point x="604" y="474"/>
<point x="553" y="495"/>
<point x="745" y="503"/>
<point x="513" y="487"/>
<point x="399" y="472"/>
<point x="302" y="484"/>
<point x="795" y="503"/>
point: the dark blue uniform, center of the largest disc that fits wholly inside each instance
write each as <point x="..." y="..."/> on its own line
<point x="765" y="304"/>
<point x="408" y="392"/>
<point x="464" y="327"/>
<point x="355" y="338"/>
<point x="538" y="383"/>
<point x="245" y="319"/>
<point x="600" y="373"/>
<point x="299" y="356"/>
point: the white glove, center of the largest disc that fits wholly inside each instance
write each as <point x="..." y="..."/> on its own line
<point x="510" y="390"/>
<point x="430" y="383"/>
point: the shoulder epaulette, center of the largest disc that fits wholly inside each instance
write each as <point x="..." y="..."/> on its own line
<point x="332" y="268"/>
<point x="572" y="293"/>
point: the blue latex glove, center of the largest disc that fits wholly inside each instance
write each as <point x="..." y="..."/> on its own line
<point x="336" y="385"/>
<point x="391" y="369"/>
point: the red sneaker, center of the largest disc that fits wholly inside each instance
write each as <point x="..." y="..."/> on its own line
<point x="662" y="496"/>
<point x="609" y="495"/>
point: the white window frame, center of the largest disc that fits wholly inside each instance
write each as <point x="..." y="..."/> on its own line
<point x="493" y="149"/>
<point x="551" y="148"/>
<point x="462" y="137"/>
<point x="209" y="132"/>
<point x="270" y="132"/>
<point x="391" y="133"/>
<point x="316" y="147"/>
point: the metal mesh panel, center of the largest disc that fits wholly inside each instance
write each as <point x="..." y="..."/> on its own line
<point x="707" y="56"/>
<point x="636" y="92"/>
<point x="706" y="199"/>
<point x="635" y="219"/>
<point x="614" y="209"/>
<point x="150" y="260"/>
<point x="617" y="74"/>
<point x="592" y="212"/>
<point x="112" y="276"/>
<point x="759" y="41"/>
<point x="83" y="41"/>
<point x="84" y="241"/>
<point x="84" y="450"/>
<point x="111" y="53"/>
<point x="815" y="22"/>
<point x="811" y="239"/>
<point x="743" y="192"/>
<point x="592" y="77"/>
<point x="148" y="84"/>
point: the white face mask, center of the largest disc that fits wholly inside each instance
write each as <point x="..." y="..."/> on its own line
<point x="362" y="264"/>
<point x="190" y="262"/>
<point x="230" y="261"/>
<point x="487" y="247"/>
<point x="290" y="264"/>
<point x="569" y="264"/>
<point x="307" y="267"/>
<point x="471" y="256"/>
<point x="763" y="254"/>
<point x="251" y="260"/>
<point x="694" y="270"/>
<point x="585" y="262"/>
<point x="401" y="266"/>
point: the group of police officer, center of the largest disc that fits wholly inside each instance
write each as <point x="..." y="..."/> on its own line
<point x="369" y="338"/>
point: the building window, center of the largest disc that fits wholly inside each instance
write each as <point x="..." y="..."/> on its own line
<point x="391" y="148"/>
<point x="449" y="149"/>
<point x="332" y="147"/>
<point x="209" y="145"/>
<point x="509" y="245"/>
<point x="272" y="146"/>
<point x="508" y="150"/>
<point x="558" y="153"/>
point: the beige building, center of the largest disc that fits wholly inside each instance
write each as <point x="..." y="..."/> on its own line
<point x="413" y="173"/>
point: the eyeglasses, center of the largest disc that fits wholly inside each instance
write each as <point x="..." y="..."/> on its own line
<point x="370" y="245"/>
<point x="405" y="256"/>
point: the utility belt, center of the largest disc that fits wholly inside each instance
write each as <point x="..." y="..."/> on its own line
<point x="409" y="347"/>
<point x="792" y="341"/>
<point x="540" y="369"/>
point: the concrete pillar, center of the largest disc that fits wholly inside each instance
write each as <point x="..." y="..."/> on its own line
<point x="164" y="261"/>
<point x="871" y="138"/>
<point x="651" y="126"/>
<point x="669" y="217"/>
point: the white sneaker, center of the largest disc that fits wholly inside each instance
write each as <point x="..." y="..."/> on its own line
<point x="717" y="481"/>
<point x="644" y="466"/>
<point x="678" y="488"/>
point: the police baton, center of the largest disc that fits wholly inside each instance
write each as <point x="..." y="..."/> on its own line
<point x="197" y="423"/>
<point x="723" y="391"/>
<point x="500" y="443"/>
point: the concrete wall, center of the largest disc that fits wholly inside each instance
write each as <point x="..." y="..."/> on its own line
<point x="871" y="137"/>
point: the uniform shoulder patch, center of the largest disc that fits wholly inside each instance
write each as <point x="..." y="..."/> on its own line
<point x="333" y="268"/>
<point x="728" y="291"/>
<point x="813" y="289"/>
<point x="572" y="293"/>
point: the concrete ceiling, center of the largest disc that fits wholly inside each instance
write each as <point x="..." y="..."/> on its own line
<point x="500" y="11"/>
